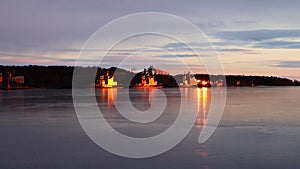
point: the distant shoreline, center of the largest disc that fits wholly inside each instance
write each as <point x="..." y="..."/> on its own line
<point x="60" y="77"/>
<point x="28" y="88"/>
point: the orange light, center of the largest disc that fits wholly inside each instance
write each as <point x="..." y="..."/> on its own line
<point x="204" y="82"/>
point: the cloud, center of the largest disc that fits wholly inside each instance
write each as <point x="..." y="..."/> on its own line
<point x="11" y="58"/>
<point x="177" y="55"/>
<point x="185" y="46"/>
<point x="257" y="35"/>
<point x="287" y="64"/>
<point x="232" y="50"/>
<point x="278" y="44"/>
<point x="204" y="46"/>
<point x="194" y="44"/>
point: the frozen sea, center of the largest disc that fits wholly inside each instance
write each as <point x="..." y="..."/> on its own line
<point x="260" y="128"/>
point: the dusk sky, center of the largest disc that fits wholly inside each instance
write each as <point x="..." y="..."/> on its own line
<point x="251" y="37"/>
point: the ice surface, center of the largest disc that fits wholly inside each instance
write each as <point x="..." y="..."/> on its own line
<point x="260" y="128"/>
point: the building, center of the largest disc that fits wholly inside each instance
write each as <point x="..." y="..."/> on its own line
<point x="6" y="80"/>
<point x="18" y="80"/>
<point x="9" y="81"/>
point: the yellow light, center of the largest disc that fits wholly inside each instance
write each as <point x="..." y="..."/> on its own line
<point x="204" y="82"/>
<point x="198" y="81"/>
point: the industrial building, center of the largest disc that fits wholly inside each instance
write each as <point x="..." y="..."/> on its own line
<point x="9" y="81"/>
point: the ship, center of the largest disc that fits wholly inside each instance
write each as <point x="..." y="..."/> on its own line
<point x="106" y="81"/>
<point x="188" y="80"/>
<point x="147" y="78"/>
<point x="204" y="83"/>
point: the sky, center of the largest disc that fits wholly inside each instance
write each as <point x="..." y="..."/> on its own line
<point x="250" y="37"/>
